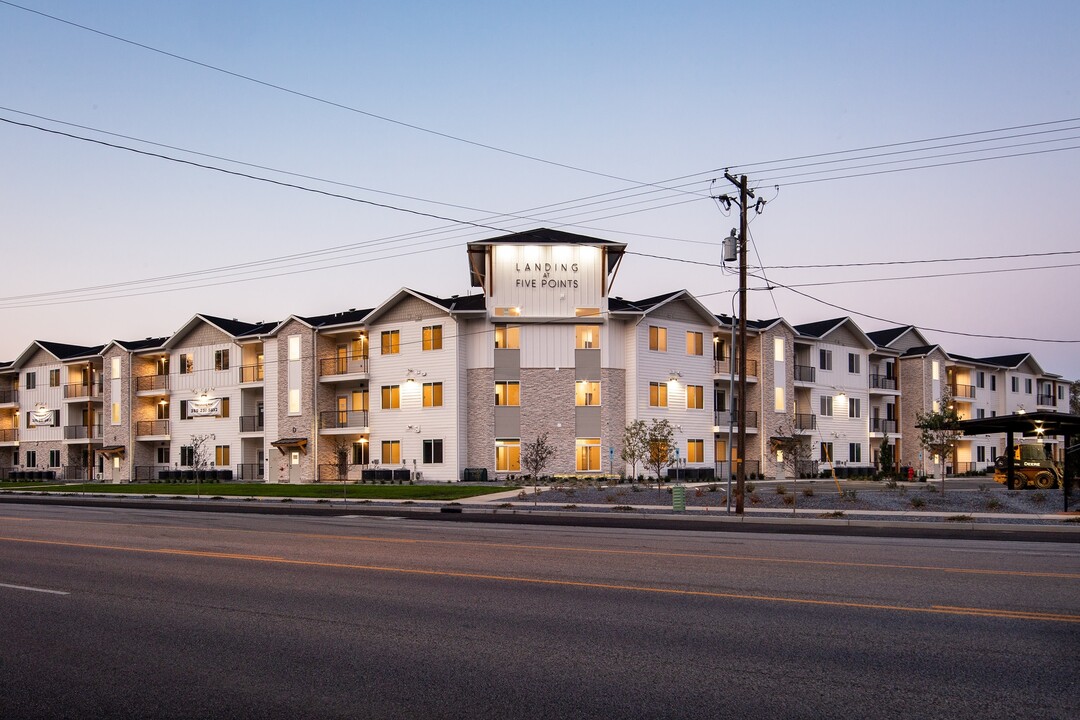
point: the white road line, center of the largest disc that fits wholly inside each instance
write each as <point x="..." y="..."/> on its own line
<point x="33" y="589"/>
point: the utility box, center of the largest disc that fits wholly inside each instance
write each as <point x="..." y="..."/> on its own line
<point x="678" y="498"/>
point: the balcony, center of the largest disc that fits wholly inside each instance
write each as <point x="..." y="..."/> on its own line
<point x="251" y="423"/>
<point x="722" y="366"/>
<point x="10" y="435"/>
<point x="804" y="373"/>
<point x="9" y="397"/>
<point x="152" y="428"/>
<point x="250" y="374"/>
<point x="151" y="383"/>
<point x="882" y="425"/>
<point x="150" y="473"/>
<point x="250" y="471"/>
<point x="805" y="421"/>
<point x="1046" y="400"/>
<point x="883" y="382"/>
<point x="723" y="418"/>
<point x="78" y="391"/>
<point x="962" y="392"/>
<point x="339" y="366"/>
<point x="752" y="468"/>
<point x="82" y="432"/>
<point x="355" y="420"/>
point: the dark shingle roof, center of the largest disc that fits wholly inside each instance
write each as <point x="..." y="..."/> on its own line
<point x="234" y="327"/>
<point x="919" y="350"/>
<point x="882" y="338"/>
<point x="726" y="320"/>
<point x="620" y="305"/>
<point x="545" y="235"/>
<point x="346" y="317"/>
<point x="64" y="351"/>
<point x="136" y="345"/>
<point x="819" y="328"/>
<point x="1008" y="361"/>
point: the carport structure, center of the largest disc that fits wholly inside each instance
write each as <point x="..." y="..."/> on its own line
<point x="1034" y="424"/>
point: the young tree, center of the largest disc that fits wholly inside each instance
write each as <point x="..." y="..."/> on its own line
<point x="885" y="457"/>
<point x="535" y="457"/>
<point x="660" y="441"/>
<point x="339" y="450"/>
<point x="200" y="452"/>
<point x="635" y="445"/>
<point x="939" y="431"/>
<point x="795" y="450"/>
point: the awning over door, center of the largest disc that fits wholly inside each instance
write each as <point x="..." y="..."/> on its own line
<point x="286" y="444"/>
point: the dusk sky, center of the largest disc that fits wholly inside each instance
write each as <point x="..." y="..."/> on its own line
<point x="610" y="101"/>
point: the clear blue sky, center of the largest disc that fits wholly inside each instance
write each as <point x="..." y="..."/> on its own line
<point x="641" y="91"/>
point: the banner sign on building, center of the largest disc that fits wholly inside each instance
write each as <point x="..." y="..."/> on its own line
<point x="204" y="407"/>
<point x="42" y="416"/>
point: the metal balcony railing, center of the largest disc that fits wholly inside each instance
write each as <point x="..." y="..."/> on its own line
<point x="965" y="392"/>
<point x="82" y="432"/>
<point x="251" y="423"/>
<point x="144" y="428"/>
<point x="78" y="390"/>
<point x="250" y="471"/>
<point x="725" y="469"/>
<point x="149" y="473"/>
<point x="151" y="382"/>
<point x="804" y="373"/>
<point x="805" y="421"/>
<point x="882" y="425"/>
<point x="724" y="417"/>
<point x="9" y="435"/>
<point x="251" y="373"/>
<point x="343" y="419"/>
<point x="882" y="382"/>
<point x="9" y="396"/>
<point x="343" y="366"/>
<point x="724" y="366"/>
<point x="1046" y="400"/>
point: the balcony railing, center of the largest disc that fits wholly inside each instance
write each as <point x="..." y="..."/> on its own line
<point x="1046" y="400"/>
<point x="149" y="473"/>
<point x="724" y="469"/>
<point x="804" y="373"/>
<point x="723" y="365"/>
<point x="343" y="366"/>
<point x="251" y="423"/>
<point x="78" y="390"/>
<point x="9" y="396"/>
<point x="882" y="425"/>
<point x="251" y="373"/>
<point x="250" y="471"/>
<point x="82" y="432"/>
<point x="962" y="391"/>
<point x="343" y="419"/>
<point x="883" y="382"/>
<point x="724" y="417"/>
<point x="9" y="435"/>
<point x="145" y="428"/>
<point x="805" y="421"/>
<point x="333" y="471"/>
<point x="151" y="382"/>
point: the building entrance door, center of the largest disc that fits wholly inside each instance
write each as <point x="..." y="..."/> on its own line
<point x="294" y="466"/>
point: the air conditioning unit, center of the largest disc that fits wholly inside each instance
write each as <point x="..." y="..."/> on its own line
<point x="97" y="476"/>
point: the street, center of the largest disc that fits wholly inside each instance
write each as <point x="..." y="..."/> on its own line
<point x="142" y="613"/>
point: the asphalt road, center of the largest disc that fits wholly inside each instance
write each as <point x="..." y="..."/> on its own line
<point x="145" y="614"/>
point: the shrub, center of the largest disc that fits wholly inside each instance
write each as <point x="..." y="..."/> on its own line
<point x="849" y="495"/>
<point x="780" y="489"/>
<point x="960" y="518"/>
<point x="755" y="498"/>
<point x="917" y="502"/>
<point x="569" y="507"/>
<point x="931" y="489"/>
<point x="982" y="487"/>
<point x="749" y="486"/>
<point x="833" y="514"/>
<point x="891" y="483"/>
<point x="714" y="487"/>
<point x="789" y="499"/>
<point x="993" y="504"/>
<point x="635" y="488"/>
<point x="698" y="492"/>
<point x="505" y="505"/>
<point x="808" y="491"/>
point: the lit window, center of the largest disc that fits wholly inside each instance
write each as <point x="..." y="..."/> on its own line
<point x="695" y="451"/>
<point x="586" y="312"/>
<point x="507" y="337"/>
<point x="221" y="455"/>
<point x="433" y="394"/>
<point x="935" y="370"/>
<point x="587" y="337"/>
<point x="187" y="363"/>
<point x="586" y="393"/>
<point x="508" y="312"/>
<point x="116" y="413"/>
<point x="221" y="359"/>
<point x="116" y="368"/>
<point x="657" y="394"/>
<point x="778" y="399"/>
<point x="657" y="338"/>
<point x="588" y="454"/>
<point x="294" y="401"/>
<point x="359" y="400"/>
<point x="508" y="393"/>
<point x="391" y="342"/>
<point x="294" y="347"/>
<point x="358" y="347"/>
<point x="507" y="455"/>
<point x="391" y="397"/>
<point x="695" y="397"/>
<point x="432" y="338"/>
<point x="778" y="349"/>
<point x="391" y="452"/>
<point x="695" y="343"/>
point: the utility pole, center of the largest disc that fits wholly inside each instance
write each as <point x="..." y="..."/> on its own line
<point x="740" y="481"/>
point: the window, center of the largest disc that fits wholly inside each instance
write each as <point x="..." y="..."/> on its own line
<point x="854" y="408"/>
<point x="826" y="405"/>
<point x="980" y="413"/>
<point x="54" y="458"/>
<point x="357" y="348"/>
<point x="695" y="451"/>
<point x="187" y="455"/>
<point x="508" y="393"/>
<point x="993" y="382"/>
<point x="116" y="413"/>
<point x="980" y="454"/>
<point x="657" y="338"/>
<point x="720" y="450"/>
<point x="294" y="401"/>
<point x="432" y="452"/>
<point x="433" y="394"/>
<point x="826" y="452"/>
<point x="294" y="347"/>
<point x="221" y="455"/>
<point x="587" y="337"/>
<point x="695" y="343"/>
<point x="391" y="397"/>
<point x="720" y="401"/>
<point x="221" y="359"/>
<point x="391" y="452"/>
<point x="586" y="312"/>
<point x="720" y="348"/>
<point x="224" y="407"/>
<point x="507" y="337"/>
<point x="657" y="394"/>
<point x="778" y="399"/>
<point x="187" y="364"/>
<point x="183" y="410"/>
<point x="361" y="453"/>
<point x="359" y="400"/>
<point x="586" y="393"/>
<point x="31" y="458"/>
<point x="588" y="454"/>
<point x="507" y="455"/>
<point x="1027" y="385"/>
<point x="695" y="397"/>
<point x="508" y="311"/>
<point x="432" y="338"/>
<point x="1061" y="392"/>
<point x="778" y="349"/>
<point x="935" y="370"/>
<point x="853" y="363"/>
<point x="162" y="456"/>
<point x="31" y="381"/>
<point x="854" y="452"/>
<point x="825" y="359"/>
<point x="391" y="342"/>
<point x="980" y="379"/>
<point x="1015" y="384"/>
<point x="54" y="378"/>
<point x="993" y="454"/>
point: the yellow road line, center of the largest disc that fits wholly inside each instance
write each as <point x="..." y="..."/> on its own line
<point x="933" y="609"/>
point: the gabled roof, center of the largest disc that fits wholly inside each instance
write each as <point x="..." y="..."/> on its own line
<point x="63" y="352"/>
<point x="398" y="296"/>
<point x="352" y="316"/>
<point x="652" y="304"/>
<point x="823" y="328"/>
<point x="755" y="325"/>
<point x="234" y="328"/>
<point x="1007" y="361"/>
<point x="538" y="236"/>
<point x="923" y="350"/>
<point x="137" y="345"/>
<point x="883" y="338"/>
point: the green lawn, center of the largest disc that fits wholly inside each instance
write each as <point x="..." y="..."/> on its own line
<point x="331" y="492"/>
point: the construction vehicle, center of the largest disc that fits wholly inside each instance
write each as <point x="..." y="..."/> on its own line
<point x="1032" y="465"/>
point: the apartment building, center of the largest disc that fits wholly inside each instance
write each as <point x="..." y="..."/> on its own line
<point x="431" y="386"/>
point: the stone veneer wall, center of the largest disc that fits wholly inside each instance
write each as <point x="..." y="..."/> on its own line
<point x="915" y="384"/>
<point x="547" y="401"/>
<point x="480" y="411"/>
<point x="118" y="434"/>
<point x="306" y="422"/>
<point x="613" y="417"/>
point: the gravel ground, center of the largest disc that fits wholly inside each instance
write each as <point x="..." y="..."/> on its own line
<point x="913" y="498"/>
